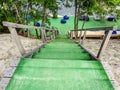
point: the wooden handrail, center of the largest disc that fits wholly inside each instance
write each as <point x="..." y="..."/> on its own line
<point x="12" y="28"/>
<point x="15" y="25"/>
<point x="104" y="44"/>
<point x="96" y="28"/>
<point x="105" y="40"/>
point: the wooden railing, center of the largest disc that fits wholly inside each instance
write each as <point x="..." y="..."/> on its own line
<point x="12" y="28"/>
<point x="105" y="39"/>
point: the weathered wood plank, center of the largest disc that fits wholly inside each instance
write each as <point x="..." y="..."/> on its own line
<point x="96" y="28"/>
<point x="3" y="86"/>
<point x="80" y="36"/>
<point x="110" y="75"/>
<point x="43" y="35"/>
<point x="104" y="44"/>
<point x="11" y="26"/>
<point x="9" y="72"/>
<point x="17" y="40"/>
<point x="84" y="37"/>
<point x="92" y="34"/>
<point x="15" y="25"/>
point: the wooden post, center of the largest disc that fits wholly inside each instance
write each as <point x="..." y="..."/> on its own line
<point x="80" y="36"/>
<point x="84" y="37"/>
<point x="42" y="34"/>
<point x="37" y="33"/>
<point x="72" y="34"/>
<point x="45" y="36"/>
<point x="54" y="34"/>
<point x="17" y="40"/>
<point x="28" y="34"/>
<point x="104" y="44"/>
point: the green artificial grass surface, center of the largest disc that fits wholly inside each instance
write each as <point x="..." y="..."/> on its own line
<point x="61" y="65"/>
<point x="41" y="74"/>
<point x="69" y="25"/>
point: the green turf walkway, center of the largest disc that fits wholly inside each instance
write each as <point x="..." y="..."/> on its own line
<point x="60" y="65"/>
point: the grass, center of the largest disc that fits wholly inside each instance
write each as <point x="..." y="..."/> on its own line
<point x="64" y="28"/>
<point x="69" y="25"/>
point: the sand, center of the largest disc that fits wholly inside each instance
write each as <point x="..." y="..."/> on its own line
<point x="9" y="51"/>
<point x="111" y="53"/>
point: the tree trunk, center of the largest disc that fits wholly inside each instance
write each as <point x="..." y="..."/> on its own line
<point x="81" y="33"/>
<point x="75" y="20"/>
<point x="55" y="15"/>
<point x="19" y="19"/>
<point x="17" y="13"/>
<point x="44" y="15"/>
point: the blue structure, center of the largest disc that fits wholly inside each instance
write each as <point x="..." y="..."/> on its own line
<point x="86" y="18"/>
<point x="110" y="18"/>
<point x="37" y="24"/>
<point x="65" y="17"/>
<point x="63" y="21"/>
<point x="114" y="32"/>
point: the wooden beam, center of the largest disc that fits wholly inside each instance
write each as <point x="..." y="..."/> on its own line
<point x="50" y="29"/>
<point x="37" y="33"/>
<point x="110" y="75"/>
<point x="96" y="28"/>
<point x="15" y="25"/>
<point x="17" y="40"/>
<point x="104" y="44"/>
<point x="43" y="35"/>
<point x="54" y="35"/>
<point x="84" y="37"/>
<point x="80" y="37"/>
<point x="10" y="24"/>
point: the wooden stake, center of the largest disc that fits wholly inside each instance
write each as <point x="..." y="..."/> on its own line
<point x="84" y="37"/>
<point x="37" y="33"/>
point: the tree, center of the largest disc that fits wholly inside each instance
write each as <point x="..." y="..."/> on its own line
<point x="81" y="5"/>
<point x="89" y="6"/>
<point x="47" y="4"/>
<point x="6" y="12"/>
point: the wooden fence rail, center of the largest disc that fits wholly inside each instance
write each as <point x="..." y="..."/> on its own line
<point x="12" y="28"/>
<point x="105" y="39"/>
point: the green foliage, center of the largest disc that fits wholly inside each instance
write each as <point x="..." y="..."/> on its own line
<point x="118" y="13"/>
<point x="27" y="7"/>
<point x="9" y="13"/>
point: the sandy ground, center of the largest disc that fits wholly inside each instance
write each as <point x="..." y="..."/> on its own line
<point x="9" y="51"/>
<point x="111" y="54"/>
